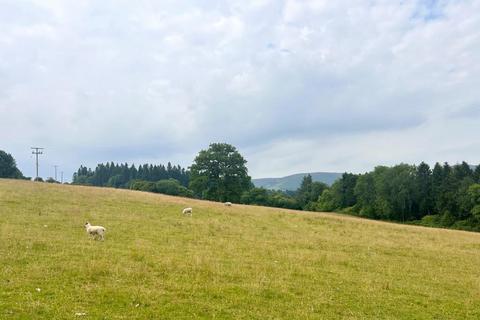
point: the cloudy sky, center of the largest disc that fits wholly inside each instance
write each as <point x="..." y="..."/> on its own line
<point x="296" y="86"/>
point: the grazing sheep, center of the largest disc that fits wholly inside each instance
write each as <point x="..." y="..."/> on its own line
<point x="187" y="211"/>
<point x="95" y="231"/>
<point x="228" y="204"/>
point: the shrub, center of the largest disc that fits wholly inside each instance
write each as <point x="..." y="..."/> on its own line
<point x="172" y="187"/>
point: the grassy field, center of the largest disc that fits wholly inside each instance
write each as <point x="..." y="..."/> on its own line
<point x="240" y="262"/>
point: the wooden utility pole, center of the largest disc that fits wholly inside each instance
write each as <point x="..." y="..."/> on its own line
<point x="36" y="153"/>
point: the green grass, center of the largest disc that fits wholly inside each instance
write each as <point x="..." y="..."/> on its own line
<point x="240" y="262"/>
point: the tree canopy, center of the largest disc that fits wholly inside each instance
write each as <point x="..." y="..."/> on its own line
<point x="219" y="173"/>
<point x="445" y="196"/>
<point x="123" y="175"/>
<point x="8" y="167"/>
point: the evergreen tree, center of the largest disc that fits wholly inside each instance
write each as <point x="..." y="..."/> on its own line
<point x="447" y="202"/>
<point x="462" y="171"/>
<point x="8" y="166"/>
<point x="476" y="174"/>
<point x="122" y="175"/>
<point x="474" y="197"/>
<point x="463" y="201"/>
<point x="424" y="190"/>
<point x="437" y="182"/>
<point x="347" y="187"/>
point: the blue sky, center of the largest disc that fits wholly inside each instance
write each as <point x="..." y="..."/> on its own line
<point x="296" y="85"/>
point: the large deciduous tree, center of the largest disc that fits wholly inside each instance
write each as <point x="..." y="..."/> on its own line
<point x="219" y="173"/>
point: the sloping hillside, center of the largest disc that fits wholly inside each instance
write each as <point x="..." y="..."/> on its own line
<point x="293" y="181"/>
<point x="239" y="262"/>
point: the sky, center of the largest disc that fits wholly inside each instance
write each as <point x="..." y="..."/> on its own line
<point x="296" y="86"/>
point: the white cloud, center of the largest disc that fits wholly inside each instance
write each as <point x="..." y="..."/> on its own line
<point x="296" y="85"/>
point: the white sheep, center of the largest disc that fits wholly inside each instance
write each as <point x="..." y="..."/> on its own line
<point x="187" y="211"/>
<point x="228" y="204"/>
<point x="95" y="231"/>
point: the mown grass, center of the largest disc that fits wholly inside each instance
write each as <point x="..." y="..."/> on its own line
<point x="240" y="262"/>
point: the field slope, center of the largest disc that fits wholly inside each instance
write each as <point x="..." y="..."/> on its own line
<point x="240" y="262"/>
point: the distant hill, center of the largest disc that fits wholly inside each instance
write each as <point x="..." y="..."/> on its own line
<point x="293" y="181"/>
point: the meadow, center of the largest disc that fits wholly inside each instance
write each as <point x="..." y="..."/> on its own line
<point x="239" y="262"/>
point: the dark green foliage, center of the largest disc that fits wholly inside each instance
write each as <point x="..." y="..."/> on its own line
<point x="123" y="175"/>
<point x="365" y="193"/>
<point x="173" y="187"/>
<point x="347" y="186"/>
<point x="476" y="174"/>
<point x="116" y="181"/>
<point x="8" y="167"/>
<point x="340" y="195"/>
<point x="396" y="192"/>
<point x="437" y="181"/>
<point x="51" y="180"/>
<point x="170" y="187"/>
<point x="330" y="199"/>
<point x="258" y="196"/>
<point x="474" y="200"/>
<point x="220" y="173"/>
<point x="309" y="192"/>
<point x="424" y="190"/>
<point x="462" y="171"/>
<point x="463" y="198"/>
<point x="143" y="185"/>
<point x="445" y="196"/>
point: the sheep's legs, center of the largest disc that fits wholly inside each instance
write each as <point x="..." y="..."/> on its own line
<point x="96" y="236"/>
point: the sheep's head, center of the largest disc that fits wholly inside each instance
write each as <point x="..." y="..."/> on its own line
<point x="87" y="224"/>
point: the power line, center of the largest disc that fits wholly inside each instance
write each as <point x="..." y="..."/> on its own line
<point x="36" y="153"/>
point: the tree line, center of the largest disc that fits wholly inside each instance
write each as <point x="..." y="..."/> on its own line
<point x="445" y="195"/>
<point x="124" y="176"/>
<point x="218" y="173"/>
